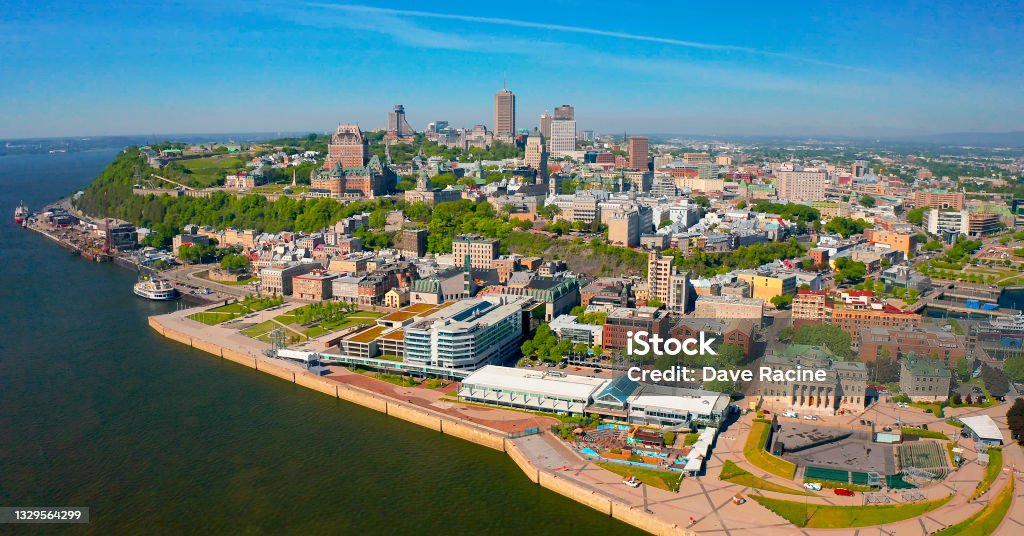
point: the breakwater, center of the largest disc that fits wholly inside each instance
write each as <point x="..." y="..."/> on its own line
<point x="597" y="499"/>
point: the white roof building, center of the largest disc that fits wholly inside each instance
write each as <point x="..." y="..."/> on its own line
<point x="529" y="388"/>
<point x="983" y="429"/>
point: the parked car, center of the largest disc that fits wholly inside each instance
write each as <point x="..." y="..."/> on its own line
<point x="790" y="413"/>
<point x="813" y="486"/>
<point x="843" y="491"/>
<point x="810" y="417"/>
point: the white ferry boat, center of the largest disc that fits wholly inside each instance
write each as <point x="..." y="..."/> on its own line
<point x="156" y="289"/>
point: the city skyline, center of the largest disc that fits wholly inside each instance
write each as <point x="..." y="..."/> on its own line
<point x="909" y="70"/>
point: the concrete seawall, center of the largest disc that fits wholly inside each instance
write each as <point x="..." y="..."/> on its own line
<point x="475" y="433"/>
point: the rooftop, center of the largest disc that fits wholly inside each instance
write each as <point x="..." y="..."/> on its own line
<point x="548" y="383"/>
<point x="983" y="425"/>
<point x="919" y="366"/>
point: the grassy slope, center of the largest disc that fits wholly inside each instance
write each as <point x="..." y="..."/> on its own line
<point x="660" y="479"/>
<point x="756" y="455"/>
<point x="737" y="475"/>
<point x="985" y="521"/>
<point x="825" y="516"/>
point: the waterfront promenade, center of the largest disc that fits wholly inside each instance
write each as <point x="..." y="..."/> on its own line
<point x="549" y="462"/>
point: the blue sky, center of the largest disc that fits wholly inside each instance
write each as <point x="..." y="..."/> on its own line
<point x="815" y="68"/>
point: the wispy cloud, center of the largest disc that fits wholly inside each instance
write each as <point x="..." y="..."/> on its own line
<point x="581" y="30"/>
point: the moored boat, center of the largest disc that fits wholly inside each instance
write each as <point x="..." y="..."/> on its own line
<point x="156" y="289"/>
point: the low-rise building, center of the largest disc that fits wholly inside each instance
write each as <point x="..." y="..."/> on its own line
<point x="768" y="286"/>
<point x="896" y="342"/>
<point x="623" y="320"/>
<point x="924" y="379"/>
<point x="549" y="390"/>
<point x="189" y="240"/>
<point x="277" y="279"/>
<point x="983" y="430"/>
<point x="850" y="310"/>
<point x="659" y="405"/>
<point x="314" y="285"/>
<point x="844" y="384"/>
<point x="729" y="307"/>
<point x="396" y="297"/>
<point x="567" y="327"/>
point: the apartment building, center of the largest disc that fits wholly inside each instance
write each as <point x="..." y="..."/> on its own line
<point x="623" y="320"/>
<point x="801" y="185"/>
<point x="480" y="251"/>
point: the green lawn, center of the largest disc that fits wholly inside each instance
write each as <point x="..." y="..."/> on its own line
<point x="992" y="470"/>
<point x="262" y="331"/>
<point x="401" y="381"/>
<point x="738" y="475"/>
<point x="220" y="314"/>
<point x="826" y="516"/>
<point x="985" y="521"/>
<point x="358" y="317"/>
<point x="756" y="454"/>
<point x="666" y="480"/>
<point x="928" y="434"/>
<point x="211" y="170"/>
<point x="936" y="409"/>
<point x="234" y="310"/>
<point x="203" y="172"/>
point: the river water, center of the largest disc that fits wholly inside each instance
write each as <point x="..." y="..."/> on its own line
<point x="97" y="410"/>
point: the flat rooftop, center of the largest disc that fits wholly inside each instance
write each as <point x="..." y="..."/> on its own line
<point x="540" y="382"/>
<point x="367" y="335"/>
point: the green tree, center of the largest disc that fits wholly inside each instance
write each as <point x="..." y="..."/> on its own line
<point x="846" y="227"/>
<point x="849" y="270"/>
<point x="235" y="263"/>
<point x="729" y="355"/>
<point x="963" y="369"/>
<point x="916" y="215"/>
<point x="1013" y="367"/>
<point x="782" y="301"/>
<point x="867" y="201"/>
<point x="827" y="335"/>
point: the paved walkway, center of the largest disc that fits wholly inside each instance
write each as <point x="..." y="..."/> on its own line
<point x="707" y="500"/>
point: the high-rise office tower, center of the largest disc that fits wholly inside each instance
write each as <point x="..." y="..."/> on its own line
<point x="505" y="115"/>
<point x="545" y="126"/>
<point x="563" y="131"/>
<point x="537" y="156"/>
<point x="638" y="152"/>
<point x="565" y="112"/>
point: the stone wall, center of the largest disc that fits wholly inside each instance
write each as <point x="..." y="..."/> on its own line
<point x="481" y="435"/>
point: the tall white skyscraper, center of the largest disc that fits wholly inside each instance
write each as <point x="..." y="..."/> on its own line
<point x="563" y="131"/>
